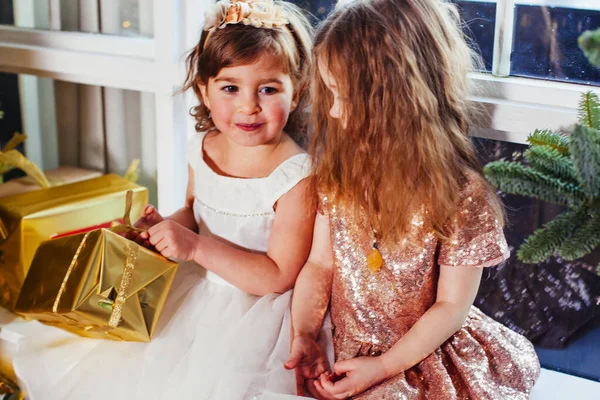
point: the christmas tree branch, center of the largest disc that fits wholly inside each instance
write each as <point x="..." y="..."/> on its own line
<point x="545" y="137"/>
<point x="515" y="178"/>
<point x="585" y="239"/>
<point x="547" y="240"/>
<point x="552" y="162"/>
<point x="589" y="43"/>
<point x="585" y="153"/>
<point x="589" y="110"/>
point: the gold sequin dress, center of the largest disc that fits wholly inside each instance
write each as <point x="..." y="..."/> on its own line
<point x="371" y="311"/>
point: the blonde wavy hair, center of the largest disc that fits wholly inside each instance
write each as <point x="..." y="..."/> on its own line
<point x="402" y="145"/>
<point x="239" y="44"/>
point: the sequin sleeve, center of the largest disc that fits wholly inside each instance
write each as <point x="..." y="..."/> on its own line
<point x="476" y="238"/>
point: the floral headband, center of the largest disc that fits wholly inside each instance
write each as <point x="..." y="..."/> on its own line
<point x="258" y="13"/>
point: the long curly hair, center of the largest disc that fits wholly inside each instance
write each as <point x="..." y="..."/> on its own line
<point x="239" y="44"/>
<point x="402" y="145"/>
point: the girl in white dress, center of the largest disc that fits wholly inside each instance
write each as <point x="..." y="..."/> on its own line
<point x="224" y="332"/>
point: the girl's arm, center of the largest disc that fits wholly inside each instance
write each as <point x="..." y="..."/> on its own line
<point x="309" y="305"/>
<point x="457" y="288"/>
<point x="185" y="215"/>
<point x="313" y="287"/>
<point x="289" y="245"/>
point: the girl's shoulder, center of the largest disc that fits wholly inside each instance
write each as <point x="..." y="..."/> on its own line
<point x="476" y="230"/>
<point x="287" y="175"/>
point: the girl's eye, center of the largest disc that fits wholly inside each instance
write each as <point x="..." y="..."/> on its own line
<point x="229" y="89"/>
<point x="268" y="90"/>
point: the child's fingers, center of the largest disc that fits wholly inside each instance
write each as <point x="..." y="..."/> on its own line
<point x="295" y="358"/>
<point x="342" y="388"/>
<point x="321" y="392"/>
<point x="130" y="235"/>
<point x="312" y="390"/>
<point x="319" y="369"/>
<point x="341" y="367"/>
<point x="149" y="209"/>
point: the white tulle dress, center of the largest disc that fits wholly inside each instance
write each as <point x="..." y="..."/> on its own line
<point x="214" y="341"/>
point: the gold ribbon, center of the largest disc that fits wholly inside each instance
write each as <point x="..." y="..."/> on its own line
<point x="126" y="226"/>
<point x="11" y="158"/>
<point x="130" y="261"/>
<point x="132" y="253"/>
<point x="63" y="285"/>
<point x="3" y="230"/>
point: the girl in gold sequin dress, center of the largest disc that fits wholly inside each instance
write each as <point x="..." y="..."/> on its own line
<point x="406" y="220"/>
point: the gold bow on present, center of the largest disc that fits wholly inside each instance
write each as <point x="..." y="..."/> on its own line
<point x="11" y="159"/>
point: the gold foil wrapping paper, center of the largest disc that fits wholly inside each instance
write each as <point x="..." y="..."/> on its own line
<point x="30" y="218"/>
<point x="56" y="177"/>
<point x="97" y="284"/>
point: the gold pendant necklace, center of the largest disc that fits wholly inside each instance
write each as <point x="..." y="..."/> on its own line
<point x="374" y="258"/>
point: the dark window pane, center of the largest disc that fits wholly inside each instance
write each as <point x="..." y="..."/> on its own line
<point x="480" y="20"/>
<point x="545" y="44"/>
<point x="6" y="13"/>
<point x="319" y="8"/>
<point x="10" y="112"/>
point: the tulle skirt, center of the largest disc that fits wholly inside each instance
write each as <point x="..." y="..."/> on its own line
<point x="214" y="341"/>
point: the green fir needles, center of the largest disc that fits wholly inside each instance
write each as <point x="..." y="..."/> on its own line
<point x="563" y="170"/>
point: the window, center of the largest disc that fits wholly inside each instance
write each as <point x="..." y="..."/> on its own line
<point x="318" y="8"/>
<point x="70" y="124"/>
<point x="125" y="18"/>
<point x="480" y="22"/>
<point x="533" y="38"/>
<point x="144" y="55"/>
<point x="545" y="42"/>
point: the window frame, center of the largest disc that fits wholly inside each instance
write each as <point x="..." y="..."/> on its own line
<point x="155" y="65"/>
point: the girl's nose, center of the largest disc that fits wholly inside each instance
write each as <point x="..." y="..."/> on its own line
<point x="248" y="104"/>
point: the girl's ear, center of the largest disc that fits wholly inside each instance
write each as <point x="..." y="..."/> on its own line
<point x="203" y="93"/>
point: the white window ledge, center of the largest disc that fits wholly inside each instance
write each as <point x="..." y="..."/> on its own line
<point x="517" y="106"/>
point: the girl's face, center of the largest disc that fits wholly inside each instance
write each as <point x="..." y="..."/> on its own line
<point x="337" y="108"/>
<point x="251" y="103"/>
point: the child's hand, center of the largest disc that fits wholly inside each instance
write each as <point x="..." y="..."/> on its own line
<point x="359" y="374"/>
<point x="149" y="218"/>
<point x="172" y="240"/>
<point x="307" y="358"/>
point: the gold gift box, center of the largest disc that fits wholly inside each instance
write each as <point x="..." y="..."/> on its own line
<point x="56" y="177"/>
<point x="99" y="285"/>
<point x="28" y="219"/>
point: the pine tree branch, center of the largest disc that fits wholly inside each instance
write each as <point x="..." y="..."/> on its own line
<point x="589" y="110"/>
<point x="589" y="43"/>
<point x="585" y="153"/>
<point x="551" y="162"/>
<point x="547" y="240"/>
<point x="512" y="177"/>
<point x="545" y="137"/>
<point x="585" y="239"/>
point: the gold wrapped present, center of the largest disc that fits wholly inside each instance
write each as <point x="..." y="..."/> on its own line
<point x="56" y="177"/>
<point x="97" y="284"/>
<point x="28" y="219"/>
